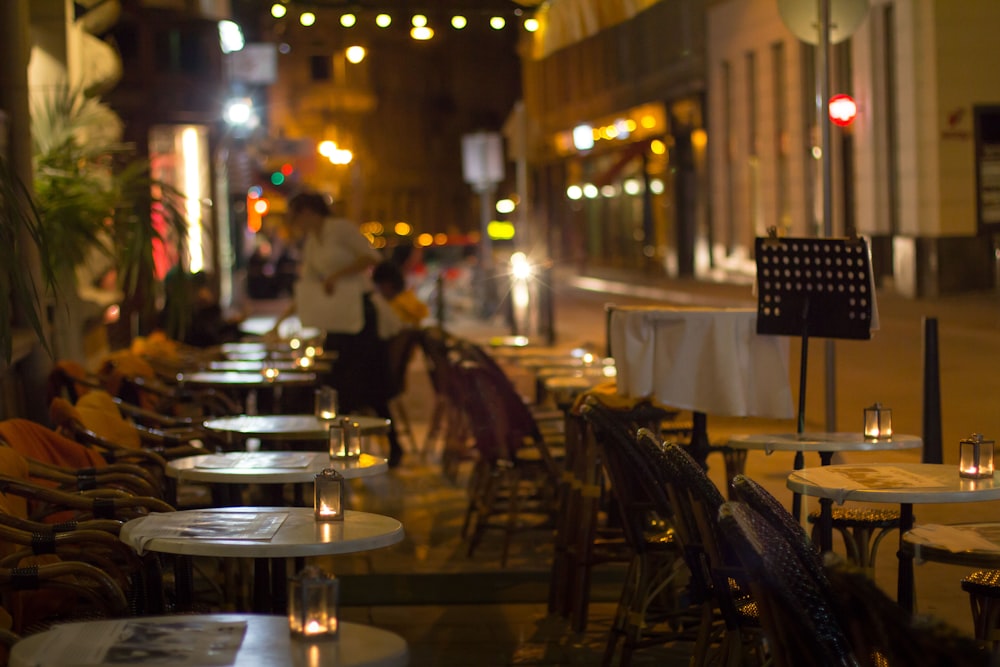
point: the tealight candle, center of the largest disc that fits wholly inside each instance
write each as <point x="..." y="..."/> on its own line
<point x="878" y="422"/>
<point x="325" y="402"/>
<point x="313" y="598"/>
<point x="975" y="457"/>
<point x="345" y="439"/>
<point x="328" y="496"/>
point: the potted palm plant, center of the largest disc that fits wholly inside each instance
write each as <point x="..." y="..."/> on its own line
<point x="94" y="200"/>
<point x="20" y="296"/>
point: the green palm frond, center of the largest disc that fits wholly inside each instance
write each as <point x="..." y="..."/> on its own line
<point x="90" y="186"/>
<point x="19" y="295"/>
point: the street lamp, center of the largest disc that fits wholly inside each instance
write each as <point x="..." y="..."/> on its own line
<point x="239" y="112"/>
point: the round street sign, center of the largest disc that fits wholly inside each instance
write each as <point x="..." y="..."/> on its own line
<point x="802" y="18"/>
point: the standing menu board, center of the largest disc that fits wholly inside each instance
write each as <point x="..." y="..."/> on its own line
<point x="987" y="121"/>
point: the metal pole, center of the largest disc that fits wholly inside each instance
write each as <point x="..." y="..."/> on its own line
<point x="487" y="279"/>
<point x="823" y="100"/>
<point x="933" y="446"/>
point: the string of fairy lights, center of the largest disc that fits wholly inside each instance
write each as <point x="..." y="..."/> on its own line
<point x="419" y="25"/>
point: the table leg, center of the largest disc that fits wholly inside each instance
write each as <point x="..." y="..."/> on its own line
<point x="699" y="438"/>
<point x="184" y="583"/>
<point x="825" y="524"/>
<point x="279" y="586"/>
<point x="796" y="498"/>
<point x="904" y="585"/>
<point x="261" y="586"/>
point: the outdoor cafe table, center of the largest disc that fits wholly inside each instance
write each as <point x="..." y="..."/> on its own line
<point x="904" y="483"/>
<point x="258" y="366"/>
<point x="265" y="643"/>
<point x="706" y="360"/>
<point x="236" y="468"/>
<point x="287" y="427"/>
<point x="970" y="544"/>
<point x="826" y="444"/>
<point x="269" y="535"/>
<point x="248" y="384"/>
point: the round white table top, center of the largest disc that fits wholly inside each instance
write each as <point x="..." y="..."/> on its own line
<point x="823" y="442"/>
<point x="910" y="483"/>
<point x="270" y="467"/>
<point x="249" y="532"/>
<point x="238" y="379"/>
<point x="284" y="343"/>
<point x="266" y="643"/>
<point x="256" y="366"/>
<point x="302" y="427"/>
<point x="970" y="544"/>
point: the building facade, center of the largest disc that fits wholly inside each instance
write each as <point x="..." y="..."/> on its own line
<point x="614" y="96"/>
<point x="737" y="90"/>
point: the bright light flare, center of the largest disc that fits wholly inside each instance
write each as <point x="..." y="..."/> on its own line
<point x="520" y="267"/>
<point x="355" y="54"/>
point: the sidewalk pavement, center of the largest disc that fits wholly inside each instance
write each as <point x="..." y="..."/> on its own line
<point x="456" y="610"/>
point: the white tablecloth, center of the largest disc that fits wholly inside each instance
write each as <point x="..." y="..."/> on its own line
<point x="706" y="359"/>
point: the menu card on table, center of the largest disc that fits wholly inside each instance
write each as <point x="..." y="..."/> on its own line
<point x="255" y="460"/>
<point x="205" y="525"/>
<point x="981" y="537"/>
<point x="864" y="477"/>
<point x="137" y="642"/>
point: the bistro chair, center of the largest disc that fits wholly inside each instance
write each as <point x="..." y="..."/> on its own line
<point x="761" y="501"/>
<point x="983" y="587"/>
<point x="795" y="611"/>
<point x="62" y="463"/>
<point x="513" y="482"/>
<point x="650" y="610"/>
<point x="41" y="525"/>
<point x="730" y="620"/>
<point x="39" y="595"/>
<point x="863" y="529"/>
<point x="448" y="422"/>
<point x="401" y="349"/>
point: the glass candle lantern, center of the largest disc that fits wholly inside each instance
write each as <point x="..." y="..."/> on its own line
<point x="325" y="402"/>
<point x="975" y="457"/>
<point x="328" y="496"/>
<point x="345" y="439"/>
<point x="313" y="598"/>
<point x="878" y="422"/>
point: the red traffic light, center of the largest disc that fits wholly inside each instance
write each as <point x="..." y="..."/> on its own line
<point x="843" y="110"/>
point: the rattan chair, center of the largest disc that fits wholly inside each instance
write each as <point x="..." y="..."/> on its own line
<point x="863" y="529"/>
<point x="795" y="611"/>
<point x="733" y="629"/>
<point x="653" y="607"/>
<point x="512" y="486"/>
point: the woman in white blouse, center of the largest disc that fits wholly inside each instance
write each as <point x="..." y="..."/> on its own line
<point x="334" y="293"/>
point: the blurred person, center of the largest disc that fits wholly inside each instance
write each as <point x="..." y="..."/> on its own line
<point x="391" y="284"/>
<point x="192" y="313"/>
<point x="334" y="293"/>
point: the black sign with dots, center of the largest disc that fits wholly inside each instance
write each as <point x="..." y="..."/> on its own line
<point x="821" y="288"/>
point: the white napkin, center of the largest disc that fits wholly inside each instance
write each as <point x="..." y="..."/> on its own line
<point x="953" y="538"/>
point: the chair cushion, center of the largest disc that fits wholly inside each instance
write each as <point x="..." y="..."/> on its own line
<point x="34" y="441"/>
<point x="99" y="413"/>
